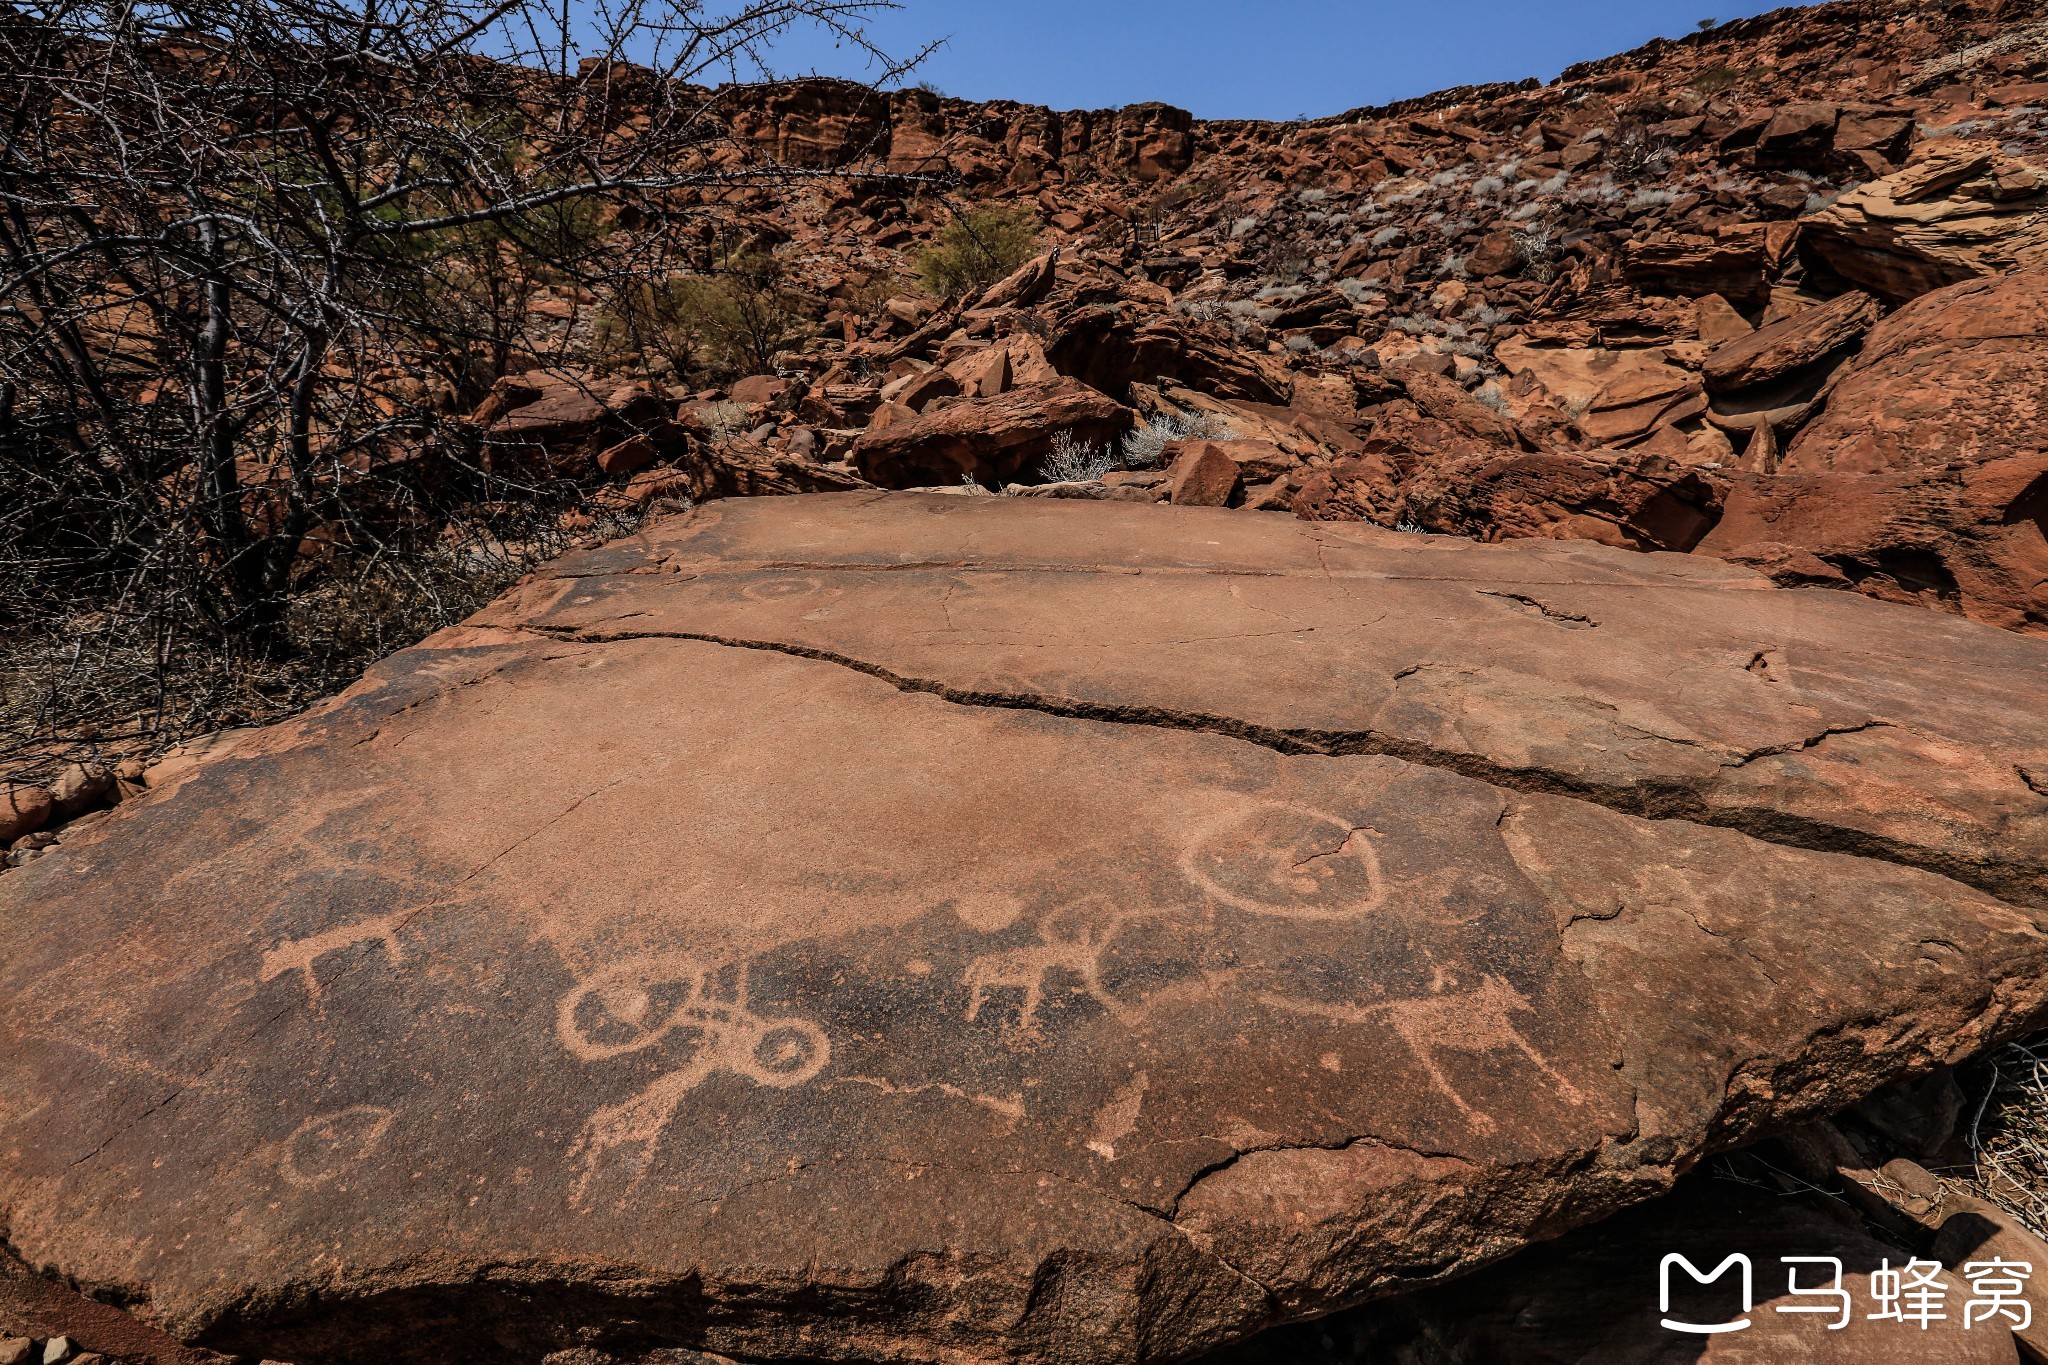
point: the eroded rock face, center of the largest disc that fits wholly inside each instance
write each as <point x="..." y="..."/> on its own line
<point x="1956" y="376"/>
<point x="990" y="439"/>
<point x="924" y="928"/>
<point x="1926" y="477"/>
<point x="1945" y="219"/>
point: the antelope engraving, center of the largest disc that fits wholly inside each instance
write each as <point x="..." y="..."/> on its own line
<point x="299" y="955"/>
<point x="1474" y="1021"/>
<point x="1069" y="942"/>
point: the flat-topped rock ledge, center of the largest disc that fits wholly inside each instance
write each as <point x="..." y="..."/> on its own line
<point x="929" y="928"/>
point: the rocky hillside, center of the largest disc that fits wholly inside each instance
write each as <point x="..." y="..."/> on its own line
<point x="1022" y="905"/>
<point x="1767" y="293"/>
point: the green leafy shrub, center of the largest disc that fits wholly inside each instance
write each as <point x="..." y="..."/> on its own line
<point x="719" y="326"/>
<point x="978" y="248"/>
<point x="1716" y="79"/>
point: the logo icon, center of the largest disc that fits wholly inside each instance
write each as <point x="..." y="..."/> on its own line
<point x="1734" y="1262"/>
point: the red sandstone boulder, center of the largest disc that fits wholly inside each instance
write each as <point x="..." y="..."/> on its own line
<point x="1798" y="137"/>
<point x="1925" y="479"/>
<point x="916" y="391"/>
<point x="629" y="456"/>
<point x="1793" y="344"/>
<point x="763" y="390"/>
<point x="1960" y="374"/>
<point x="1965" y="538"/>
<point x="1638" y="402"/>
<point x="1257" y="460"/>
<point x="1691" y="265"/>
<point x="1640" y="502"/>
<point x="990" y="439"/>
<point x="1448" y="401"/>
<point x="1100" y="344"/>
<point x="1940" y="221"/>
<point x="563" y="415"/>
<point x="744" y="468"/>
<point x="24" y="809"/>
<point x="1629" y="500"/>
<point x="1203" y="475"/>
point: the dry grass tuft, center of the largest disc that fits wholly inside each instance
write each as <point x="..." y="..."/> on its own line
<point x="103" y="684"/>
<point x="2008" y="1133"/>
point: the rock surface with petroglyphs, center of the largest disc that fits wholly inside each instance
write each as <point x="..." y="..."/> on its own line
<point x="916" y="927"/>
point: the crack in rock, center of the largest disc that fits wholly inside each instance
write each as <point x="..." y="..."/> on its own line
<point x="1647" y="800"/>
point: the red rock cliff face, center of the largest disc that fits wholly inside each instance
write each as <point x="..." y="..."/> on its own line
<point x="830" y="124"/>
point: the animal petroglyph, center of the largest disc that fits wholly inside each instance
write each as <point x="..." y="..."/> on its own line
<point x="299" y="955"/>
<point x="635" y="1004"/>
<point x="1289" y="861"/>
<point x="781" y="589"/>
<point x="1070" y="940"/>
<point x="1475" y="1021"/>
<point x="326" y="1145"/>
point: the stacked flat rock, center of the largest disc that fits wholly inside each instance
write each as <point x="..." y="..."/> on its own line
<point x="912" y="927"/>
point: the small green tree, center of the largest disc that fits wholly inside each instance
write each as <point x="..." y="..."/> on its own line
<point x="721" y="325"/>
<point x="978" y="248"/>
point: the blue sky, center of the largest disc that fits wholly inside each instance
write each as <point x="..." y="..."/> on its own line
<point x="1256" y="58"/>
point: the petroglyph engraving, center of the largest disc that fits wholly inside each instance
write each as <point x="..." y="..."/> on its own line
<point x="1475" y="1021"/>
<point x="299" y="955"/>
<point x="781" y="589"/>
<point x="1071" y="940"/>
<point x="1289" y="861"/>
<point x="326" y="1145"/>
<point x="634" y="1005"/>
<point x="1116" y="1120"/>
<point x="1010" y="1107"/>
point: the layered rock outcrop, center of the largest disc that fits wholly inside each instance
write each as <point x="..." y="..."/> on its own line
<point x="1604" y="307"/>
<point x="1926" y="477"/>
<point x="831" y="124"/>
<point x="1963" y="212"/>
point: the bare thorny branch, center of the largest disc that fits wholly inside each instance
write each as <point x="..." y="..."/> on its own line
<point x="255" y="255"/>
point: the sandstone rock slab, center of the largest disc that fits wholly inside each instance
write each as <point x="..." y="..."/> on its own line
<point x="1956" y="375"/>
<point x="1925" y="478"/>
<point x="1962" y="537"/>
<point x="907" y="927"/>
<point x="1783" y="347"/>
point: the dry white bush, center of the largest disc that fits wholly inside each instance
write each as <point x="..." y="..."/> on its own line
<point x="1073" y="460"/>
<point x="1143" y="448"/>
<point x="2009" y="1134"/>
